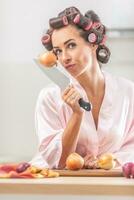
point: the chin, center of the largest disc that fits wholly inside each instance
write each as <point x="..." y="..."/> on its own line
<point x="74" y="73"/>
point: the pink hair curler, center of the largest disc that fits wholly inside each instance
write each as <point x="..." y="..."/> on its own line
<point x="96" y="25"/>
<point x="65" y="20"/>
<point x="76" y="20"/>
<point x="92" y="38"/>
<point x="89" y="26"/>
<point x="45" y="39"/>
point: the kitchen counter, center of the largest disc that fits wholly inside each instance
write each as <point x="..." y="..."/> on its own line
<point x="69" y="185"/>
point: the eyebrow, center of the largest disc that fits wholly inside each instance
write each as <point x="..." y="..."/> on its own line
<point x="65" y="42"/>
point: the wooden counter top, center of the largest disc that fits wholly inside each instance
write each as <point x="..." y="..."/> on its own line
<point x="69" y="185"/>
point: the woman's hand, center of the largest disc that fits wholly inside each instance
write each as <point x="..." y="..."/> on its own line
<point x="71" y="96"/>
<point x="90" y="162"/>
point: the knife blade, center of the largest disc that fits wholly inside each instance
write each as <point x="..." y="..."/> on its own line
<point x="62" y="80"/>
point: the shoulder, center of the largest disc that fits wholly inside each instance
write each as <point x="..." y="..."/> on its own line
<point x="125" y="84"/>
<point x="122" y="84"/>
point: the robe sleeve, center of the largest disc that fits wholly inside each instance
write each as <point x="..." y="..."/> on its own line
<point x="126" y="152"/>
<point x="49" y="129"/>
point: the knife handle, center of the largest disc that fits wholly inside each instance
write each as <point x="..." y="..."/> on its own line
<point x="85" y="105"/>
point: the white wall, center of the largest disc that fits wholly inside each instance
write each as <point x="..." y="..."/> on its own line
<point x="21" y="27"/>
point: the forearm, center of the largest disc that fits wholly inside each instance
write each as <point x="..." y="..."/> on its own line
<point x="70" y="137"/>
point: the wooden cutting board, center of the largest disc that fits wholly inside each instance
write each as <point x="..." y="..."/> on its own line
<point x="91" y="172"/>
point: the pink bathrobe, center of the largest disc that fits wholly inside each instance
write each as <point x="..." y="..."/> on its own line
<point x="115" y="132"/>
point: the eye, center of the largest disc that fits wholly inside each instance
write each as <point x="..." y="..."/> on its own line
<point x="71" y="45"/>
<point x="57" y="52"/>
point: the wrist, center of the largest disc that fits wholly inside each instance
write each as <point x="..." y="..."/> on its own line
<point x="78" y="114"/>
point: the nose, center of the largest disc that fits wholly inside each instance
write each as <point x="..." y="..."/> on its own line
<point x="66" y="57"/>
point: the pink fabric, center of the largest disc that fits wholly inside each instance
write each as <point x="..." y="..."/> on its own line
<point x="115" y="131"/>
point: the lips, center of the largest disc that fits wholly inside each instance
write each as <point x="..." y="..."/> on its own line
<point x="69" y="66"/>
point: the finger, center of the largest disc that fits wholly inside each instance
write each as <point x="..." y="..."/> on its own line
<point x="70" y="94"/>
<point x="92" y="164"/>
<point x="88" y="157"/>
<point x="68" y="88"/>
<point x="89" y="164"/>
<point x="91" y="157"/>
<point x="74" y="98"/>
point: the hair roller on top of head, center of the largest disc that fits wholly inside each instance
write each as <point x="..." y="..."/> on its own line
<point x="92" y="15"/>
<point x="71" y="10"/>
<point x="96" y="25"/>
<point x="89" y="26"/>
<point x="82" y="21"/>
<point x="65" y="20"/>
<point x="70" y="13"/>
<point x="58" y="22"/>
<point x="76" y="19"/>
<point x="99" y="27"/>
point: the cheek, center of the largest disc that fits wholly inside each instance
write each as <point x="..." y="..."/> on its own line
<point x="85" y="57"/>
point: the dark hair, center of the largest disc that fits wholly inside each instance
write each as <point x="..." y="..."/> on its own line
<point x="89" y="26"/>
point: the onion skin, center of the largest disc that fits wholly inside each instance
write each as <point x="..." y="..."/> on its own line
<point x="8" y="167"/>
<point x="14" y="174"/>
<point x="128" y="170"/>
<point x="25" y="170"/>
<point x="34" y="169"/>
<point x="74" y="162"/>
<point x="48" y="59"/>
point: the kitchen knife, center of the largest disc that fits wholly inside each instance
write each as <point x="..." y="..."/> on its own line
<point x="60" y="79"/>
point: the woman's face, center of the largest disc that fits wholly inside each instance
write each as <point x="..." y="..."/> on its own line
<point x="72" y="51"/>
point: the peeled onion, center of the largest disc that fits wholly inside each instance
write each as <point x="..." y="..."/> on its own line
<point x="107" y="157"/>
<point x="128" y="169"/>
<point x="48" y="59"/>
<point x="74" y="162"/>
<point x="107" y="161"/>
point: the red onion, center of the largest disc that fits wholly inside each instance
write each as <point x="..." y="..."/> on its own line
<point x="22" y="167"/>
<point x="132" y="171"/>
<point x="128" y="170"/>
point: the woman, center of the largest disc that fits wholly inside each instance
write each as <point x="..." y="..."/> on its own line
<point x="62" y="125"/>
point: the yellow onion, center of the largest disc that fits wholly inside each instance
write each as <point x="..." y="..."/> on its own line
<point x="74" y="162"/>
<point x="48" y="59"/>
<point x="107" y="161"/>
